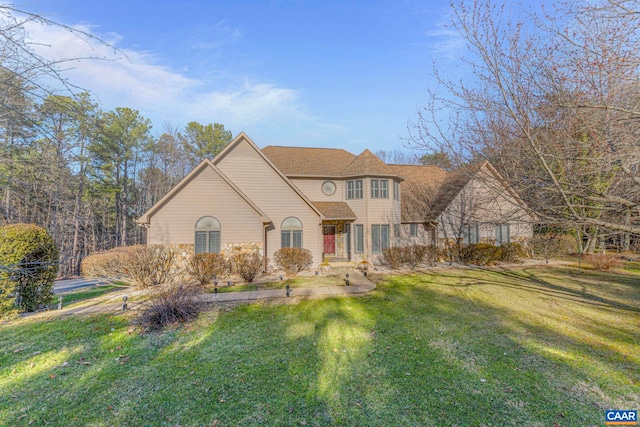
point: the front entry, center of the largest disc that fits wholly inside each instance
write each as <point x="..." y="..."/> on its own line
<point x="329" y="232"/>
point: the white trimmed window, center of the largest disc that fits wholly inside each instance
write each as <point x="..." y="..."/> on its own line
<point x="503" y="234"/>
<point x="359" y="238"/>
<point x="396" y="190"/>
<point x="354" y="189"/>
<point x="470" y="235"/>
<point x="379" y="238"/>
<point x="207" y="235"/>
<point x="379" y="188"/>
<point x="413" y="230"/>
<point x="291" y="233"/>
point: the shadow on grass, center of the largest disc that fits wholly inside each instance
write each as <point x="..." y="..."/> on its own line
<point x="419" y="350"/>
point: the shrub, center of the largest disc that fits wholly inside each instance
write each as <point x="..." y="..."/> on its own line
<point x="293" y="260"/>
<point x="149" y="266"/>
<point x="247" y="265"/>
<point x="392" y="257"/>
<point x="205" y="267"/>
<point x="450" y="252"/>
<point x="512" y="252"/>
<point x="140" y="266"/>
<point x="30" y="260"/>
<point x="170" y="304"/>
<point x="552" y="245"/>
<point x="106" y="265"/>
<point x="364" y="265"/>
<point x="481" y="254"/>
<point x="603" y="262"/>
<point x="416" y="254"/>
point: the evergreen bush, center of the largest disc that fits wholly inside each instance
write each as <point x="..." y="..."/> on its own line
<point x="28" y="267"/>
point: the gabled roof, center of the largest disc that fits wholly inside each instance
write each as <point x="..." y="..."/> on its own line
<point x="206" y="163"/>
<point x="325" y="162"/>
<point x="420" y="189"/>
<point x="336" y="210"/>
<point x="429" y="190"/>
<point x="301" y="161"/>
<point x="367" y="163"/>
<point x="243" y="136"/>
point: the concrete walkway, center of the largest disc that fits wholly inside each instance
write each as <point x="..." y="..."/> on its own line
<point x="113" y="302"/>
<point x="358" y="285"/>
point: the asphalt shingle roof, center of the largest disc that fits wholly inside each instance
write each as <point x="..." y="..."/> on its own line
<point x="335" y="210"/>
<point x="300" y="161"/>
<point x="326" y="162"/>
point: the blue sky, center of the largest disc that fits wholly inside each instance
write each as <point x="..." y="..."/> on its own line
<point x="323" y="74"/>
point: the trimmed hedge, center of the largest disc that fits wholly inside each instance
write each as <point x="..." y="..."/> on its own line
<point x="512" y="252"/>
<point x="140" y="266"/>
<point x="481" y="254"/>
<point x="28" y="267"/>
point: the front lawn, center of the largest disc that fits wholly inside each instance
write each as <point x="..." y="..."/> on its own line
<point x="530" y="346"/>
<point x="331" y="279"/>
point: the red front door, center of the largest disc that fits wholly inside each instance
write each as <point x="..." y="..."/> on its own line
<point x="329" y="232"/>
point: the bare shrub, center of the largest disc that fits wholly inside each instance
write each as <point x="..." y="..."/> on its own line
<point x="552" y="245"/>
<point x="170" y="304"/>
<point x="416" y="254"/>
<point x="512" y="252"/>
<point x="247" y="265"/>
<point x="205" y="267"/>
<point x="603" y="262"/>
<point x="293" y="260"/>
<point x="150" y="266"/>
<point x="392" y="257"/>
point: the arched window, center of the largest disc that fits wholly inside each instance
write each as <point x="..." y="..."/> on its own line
<point x="291" y="232"/>
<point x="207" y="235"/>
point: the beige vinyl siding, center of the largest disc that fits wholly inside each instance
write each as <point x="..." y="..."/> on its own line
<point x="312" y="188"/>
<point x="273" y="195"/>
<point x="206" y="195"/>
<point x="486" y="205"/>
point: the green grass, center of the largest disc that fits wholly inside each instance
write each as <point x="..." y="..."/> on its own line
<point x="84" y="294"/>
<point x="532" y="347"/>
<point x="293" y="282"/>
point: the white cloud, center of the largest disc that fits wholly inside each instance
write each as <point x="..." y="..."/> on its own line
<point x="131" y="78"/>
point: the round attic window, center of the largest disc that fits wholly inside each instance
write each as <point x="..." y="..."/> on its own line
<point x="328" y="188"/>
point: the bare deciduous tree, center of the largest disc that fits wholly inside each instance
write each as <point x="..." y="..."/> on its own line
<point x="554" y="104"/>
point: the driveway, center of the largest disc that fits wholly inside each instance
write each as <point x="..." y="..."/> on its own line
<point x="62" y="286"/>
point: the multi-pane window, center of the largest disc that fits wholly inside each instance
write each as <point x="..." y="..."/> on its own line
<point x="207" y="235"/>
<point x="396" y="230"/>
<point x="379" y="238"/>
<point x="396" y="190"/>
<point x="354" y="189"/>
<point x="291" y="233"/>
<point x="413" y="230"/>
<point x="359" y="238"/>
<point x="379" y="188"/>
<point x="502" y="234"/>
<point x="470" y="234"/>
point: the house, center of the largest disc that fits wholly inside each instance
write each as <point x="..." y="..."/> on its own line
<point x="341" y="207"/>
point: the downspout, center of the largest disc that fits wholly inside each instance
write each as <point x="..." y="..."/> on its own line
<point x="265" y="265"/>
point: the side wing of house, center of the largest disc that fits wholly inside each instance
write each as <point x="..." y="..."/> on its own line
<point x="485" y="210"/>
<point x="205" y="213"/>
<point x="295" y="221"/>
